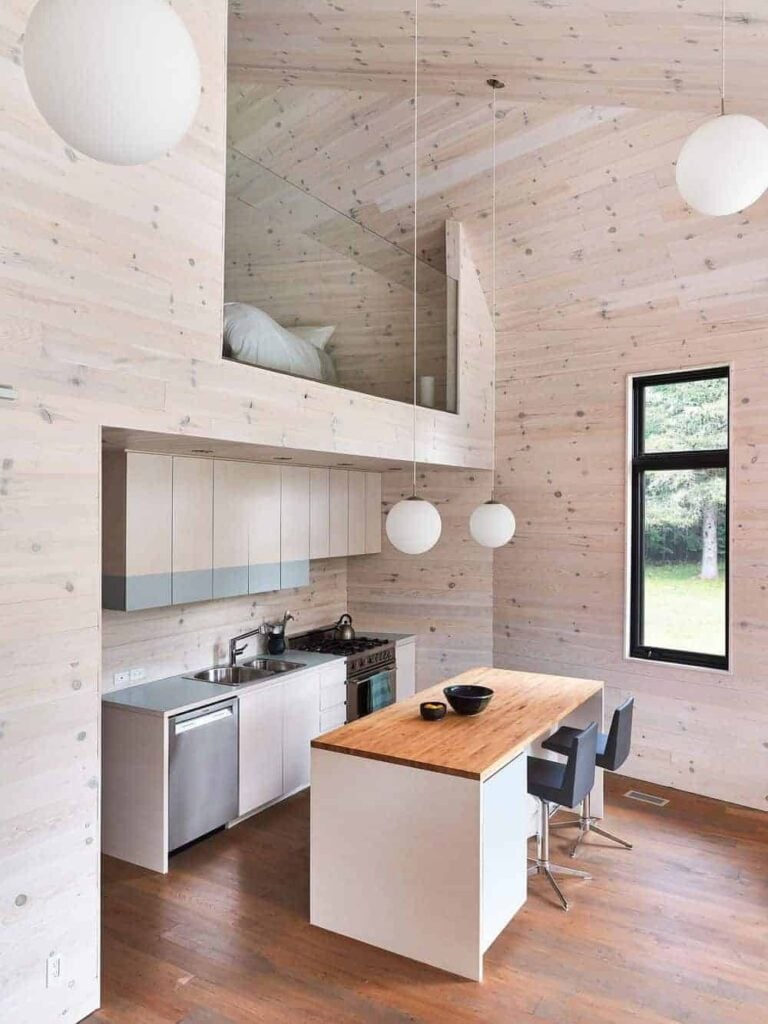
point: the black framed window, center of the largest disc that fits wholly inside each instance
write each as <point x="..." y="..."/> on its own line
<point x="679" y="518"/>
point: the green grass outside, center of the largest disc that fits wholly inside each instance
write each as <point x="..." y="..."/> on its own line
<point x="682" y="611"/>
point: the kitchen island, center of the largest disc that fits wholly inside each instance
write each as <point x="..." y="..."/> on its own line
<point x="419" y="829"/>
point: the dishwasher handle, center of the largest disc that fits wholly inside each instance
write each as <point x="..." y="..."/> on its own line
<point x="201" y="718"/>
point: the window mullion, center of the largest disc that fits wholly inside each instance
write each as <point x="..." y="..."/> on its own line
<point x="717" y="459"/>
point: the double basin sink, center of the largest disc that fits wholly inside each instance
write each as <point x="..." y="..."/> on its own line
<point x="249" y="672"/>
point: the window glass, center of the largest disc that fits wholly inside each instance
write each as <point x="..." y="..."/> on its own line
<point x="686" y="416"/>
<point x="684" y="544"/>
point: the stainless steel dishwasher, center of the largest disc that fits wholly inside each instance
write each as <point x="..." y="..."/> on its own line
<point x="202" y="771"/>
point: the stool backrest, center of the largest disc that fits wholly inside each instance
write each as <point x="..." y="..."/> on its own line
<point x="619" y="737"/>
<point x="580" y="767"/>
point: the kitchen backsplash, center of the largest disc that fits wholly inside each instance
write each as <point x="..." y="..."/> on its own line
<point x="163" y="642"/>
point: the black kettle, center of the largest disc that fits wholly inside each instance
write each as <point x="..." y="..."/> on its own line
<point x="344" y="628"/>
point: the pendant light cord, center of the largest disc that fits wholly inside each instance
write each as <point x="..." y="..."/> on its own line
<point x="495" y="85"/>
<point x="493" y="292"/>
<point x="415" y="212"/>
<point x="722" y="57"/>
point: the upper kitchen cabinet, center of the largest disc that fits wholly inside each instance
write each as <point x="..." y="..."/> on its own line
<point x="356" y="526"/>
<point x="319" y="513"/>
<point x="136" y="530"/>
<point x="230" y="529"/>
<point x="263" y="500"/>
<point x="339" y="513"/>
<point x="372" y="513"/>
<point x="192" y="530"/>
<point x="294" y="527"/>
<point x="178" y="529"/>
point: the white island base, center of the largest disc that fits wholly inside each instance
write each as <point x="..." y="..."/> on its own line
<point x="427" y="865"/>
<point x="423" y="863"/>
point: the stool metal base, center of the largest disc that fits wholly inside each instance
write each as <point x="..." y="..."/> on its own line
<point x="585" y="823"/>
<point x="540" y="865"/>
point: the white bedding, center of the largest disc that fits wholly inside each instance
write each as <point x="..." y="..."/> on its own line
<point x="252" y="336"/>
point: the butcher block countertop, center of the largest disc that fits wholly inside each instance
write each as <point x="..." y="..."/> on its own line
<point x="525" y="705"/>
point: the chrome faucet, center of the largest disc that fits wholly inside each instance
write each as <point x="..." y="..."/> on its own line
<point x="235" y="651"/>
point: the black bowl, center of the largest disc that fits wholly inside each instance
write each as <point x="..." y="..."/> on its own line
<point x="432" y="710"/>
<point x="468" y="700"/>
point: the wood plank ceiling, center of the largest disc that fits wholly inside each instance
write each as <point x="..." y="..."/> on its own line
<point x="570" y="178"/>
<point x="650" y="53"/>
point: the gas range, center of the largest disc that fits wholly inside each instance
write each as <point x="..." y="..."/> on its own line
<point x="362" y="653"/>
<point x="371" y="668"/>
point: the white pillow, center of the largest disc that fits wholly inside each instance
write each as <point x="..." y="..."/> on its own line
<point x="252" y="336"/>
<point x="318" y="336"/>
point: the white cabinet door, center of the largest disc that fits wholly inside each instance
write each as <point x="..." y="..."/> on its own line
<point x="137" y="502"/>
<point x="262" y="496"/>
<point x="405" y="656"/>
<point x="339" y="505"/>
<point x="261" y="747"/>
<point x="333" y="718"/>
<point x="333" y="686"/>
<point x="192" y="530"/>
<point x="301" y="723"/>
<point x="230" y="529"/>
<point x="319" y="513"/>
<point x="357" y="510"/>
<point x="372" y="513"/>
<point x="294" y="527"/>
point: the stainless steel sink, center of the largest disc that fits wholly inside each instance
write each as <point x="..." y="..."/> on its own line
<point x="249" y="672"/>
<point x="272" y="665"/>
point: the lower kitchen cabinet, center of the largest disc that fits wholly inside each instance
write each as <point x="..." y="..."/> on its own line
<point x="333" y="696"/>
<point x="261" y="746"/>
<point x="405" y="657"/>
<point x="301" y="723"/>
<point x="277" y="724"/>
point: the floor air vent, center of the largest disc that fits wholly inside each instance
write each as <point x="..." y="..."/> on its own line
<point x="646" y="798"/>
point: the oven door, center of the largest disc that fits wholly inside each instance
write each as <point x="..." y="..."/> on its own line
<point x="369" y="691"/>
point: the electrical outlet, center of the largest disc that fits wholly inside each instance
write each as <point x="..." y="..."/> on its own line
<point x="121" y="678"/>
<point x="137" y="674"/>
<point x="53" y="971"/>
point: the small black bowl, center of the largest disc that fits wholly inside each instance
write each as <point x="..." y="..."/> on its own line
<point x="468" y="700"/>
<point x="432" y="710"/>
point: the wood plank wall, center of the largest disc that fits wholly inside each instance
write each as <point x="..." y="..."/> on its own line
<point x="111" y="292"/>
<point x="106" y="275"/>
<point x="606" y="274"/>
<point x="445" y="596"/>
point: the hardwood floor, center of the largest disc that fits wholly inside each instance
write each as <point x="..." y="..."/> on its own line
<point x="673" y="931"/>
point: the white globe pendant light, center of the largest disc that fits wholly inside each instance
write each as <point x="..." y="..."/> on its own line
<point x="492" y="524"/>
<point x="118" y="80"/>
<point x="723" y="166"/>
<point x="413" y="525"/>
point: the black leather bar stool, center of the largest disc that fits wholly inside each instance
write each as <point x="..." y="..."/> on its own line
<point x="568" y="784"/>
<point x="612" y="751"/>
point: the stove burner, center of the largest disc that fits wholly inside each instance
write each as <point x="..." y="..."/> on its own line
<point x="332" y="645"/>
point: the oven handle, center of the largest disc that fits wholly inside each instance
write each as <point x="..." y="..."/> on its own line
<point x="374" y="670"/>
